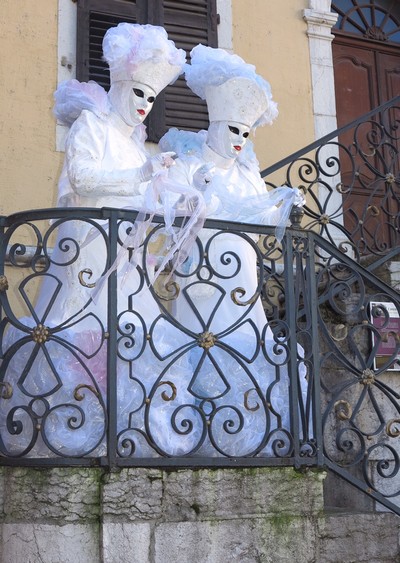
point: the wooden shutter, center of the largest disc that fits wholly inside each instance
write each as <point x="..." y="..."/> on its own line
<point x="188" y="22"/>
<point x="94" y="18"/>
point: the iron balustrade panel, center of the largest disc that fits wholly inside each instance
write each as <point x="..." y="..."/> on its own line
<point x="300" y="312"/>
<point x="54" y="341"/>
<point x="249" y="352"/>
<point x="109" y="358"/>
<point x="360" y="392"/>
<point x="352" y="181"/>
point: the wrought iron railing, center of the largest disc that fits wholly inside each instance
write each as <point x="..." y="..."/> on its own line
<point x="115" y="370"/>
<point x="352" y="180"/>
<point x="135" y="373"/>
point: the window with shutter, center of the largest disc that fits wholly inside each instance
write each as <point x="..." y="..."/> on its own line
<point x="188" y="22"/>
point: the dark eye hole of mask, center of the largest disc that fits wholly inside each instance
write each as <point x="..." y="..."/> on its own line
<point x="139" y="93"/>
<point x="151" y="99"/>
<point x="233" y="130"/>
<point x="245" y="135"/>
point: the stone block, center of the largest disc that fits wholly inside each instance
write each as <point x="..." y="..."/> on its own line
<point x="132" y="495"/>
<point x="43" y="543"/>
<point x="2" y="489"/>
<point x="123" y="543"/>
<point x="266" y="540"/>
<point x="226" y="493"/>
<point x="62" y="494"/>
<point x="359" y="537"/>
<point x="388" y="484"/>
<point x="324" y="127"/>
<point x="322" y="77"/>
<point x="344" y="346"/>
<point x="339" y="494"/>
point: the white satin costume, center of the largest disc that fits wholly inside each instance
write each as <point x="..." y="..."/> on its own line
<point x="59" y="374"/>
<point x="240" y="378"/>
<point x="97" y="148"/>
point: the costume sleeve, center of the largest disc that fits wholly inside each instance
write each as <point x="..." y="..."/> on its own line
<point x="189" y="172"/>
<point x="85" y="148"/>
<point x="181" y="172"/>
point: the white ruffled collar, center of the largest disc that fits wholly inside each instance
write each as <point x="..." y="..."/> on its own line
<point x="210" y="155"/>
<point x="119" y="123"/>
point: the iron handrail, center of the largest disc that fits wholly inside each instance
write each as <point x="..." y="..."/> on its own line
<point x="328" y="137"/>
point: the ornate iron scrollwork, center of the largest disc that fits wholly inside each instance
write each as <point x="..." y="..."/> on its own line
<point x="210" y="376"/>
<point x="3" y="283"/>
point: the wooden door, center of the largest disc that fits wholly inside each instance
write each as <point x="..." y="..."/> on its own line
<point x="366" y="57"/>
<point x="366" y="75"/>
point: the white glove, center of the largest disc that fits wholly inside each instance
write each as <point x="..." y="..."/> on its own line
<point x="300" y="198"/>
<point x="156" y="164"/>
<point x="203" y="176"/>
<point x="187" y="203"/>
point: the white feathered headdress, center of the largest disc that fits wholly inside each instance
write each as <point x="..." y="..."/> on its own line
<point x="142" y="53"/>
<point x="231" y="87"/>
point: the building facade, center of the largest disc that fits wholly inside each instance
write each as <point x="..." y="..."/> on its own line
<point x="252" y="513"/>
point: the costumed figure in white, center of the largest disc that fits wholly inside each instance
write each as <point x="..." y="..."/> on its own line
<point x="57" y="368"/>
<point x="239" y="380"/>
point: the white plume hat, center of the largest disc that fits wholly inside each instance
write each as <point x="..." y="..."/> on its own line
<point x="238" y="99"/>
<point x="142" y="53"/>
<point x="231" y="87"/>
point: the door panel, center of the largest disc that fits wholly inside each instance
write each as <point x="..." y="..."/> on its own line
<point x="355" y="83"/>
<point x="365" y="77"/>
<point x="388" y="71"/>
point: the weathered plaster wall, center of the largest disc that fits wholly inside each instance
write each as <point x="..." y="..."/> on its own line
<point x="28" y="162"/>
<point x="272" y="36"/>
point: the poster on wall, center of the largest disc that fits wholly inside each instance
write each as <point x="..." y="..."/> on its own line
<point x="388" y="325"/>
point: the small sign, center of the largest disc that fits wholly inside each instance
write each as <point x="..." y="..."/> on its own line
<point x="385" y="318"/>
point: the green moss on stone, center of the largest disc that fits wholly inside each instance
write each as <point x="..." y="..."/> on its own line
<point x="282" y="523"/>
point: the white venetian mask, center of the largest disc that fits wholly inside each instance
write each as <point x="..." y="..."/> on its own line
<point x="227" y="138"/>
<point x="141" y="102"/>
<point x="132" y="100"/>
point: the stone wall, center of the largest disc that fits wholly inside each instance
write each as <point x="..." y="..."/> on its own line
<point x="158" y="516"/>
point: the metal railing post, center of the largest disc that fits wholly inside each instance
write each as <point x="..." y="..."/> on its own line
<point x="112" y="344"/>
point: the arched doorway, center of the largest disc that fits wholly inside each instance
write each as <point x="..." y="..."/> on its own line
<point x="366" y="60"/>
<point x="366" y="55"/>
